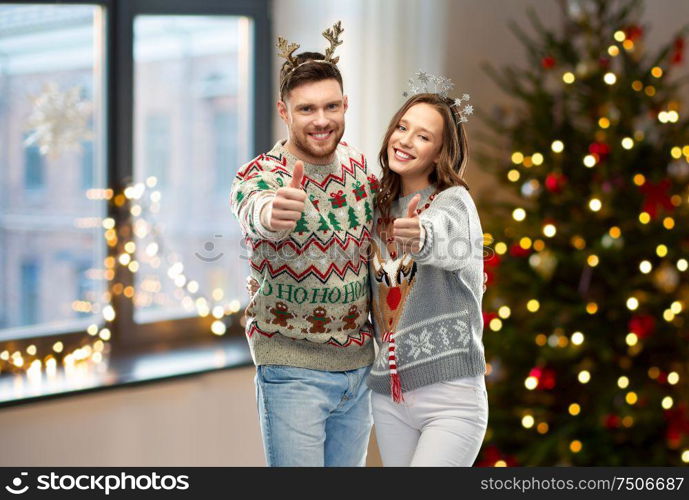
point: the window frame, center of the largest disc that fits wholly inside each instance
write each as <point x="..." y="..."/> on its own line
<point x="127" y="335"/>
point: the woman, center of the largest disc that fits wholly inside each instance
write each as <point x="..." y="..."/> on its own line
<point x="429" y="398"/>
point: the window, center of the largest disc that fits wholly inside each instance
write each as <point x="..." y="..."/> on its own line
<point x="30" y="293"/>
<point x="226" y="157"/>
<point x="85" y="258"/>
<point x="51" y="76"/>
<point x="87" y="165"/>
<point x="156" y="142"/>
<point x="33" y="169"/>
<point x="191" y="90"/>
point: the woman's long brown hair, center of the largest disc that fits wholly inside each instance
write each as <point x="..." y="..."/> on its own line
<point x="454" y="152"/>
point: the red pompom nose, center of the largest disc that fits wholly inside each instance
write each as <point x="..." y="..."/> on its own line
<point x="394" y="297"/>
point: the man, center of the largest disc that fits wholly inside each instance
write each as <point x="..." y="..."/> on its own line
<point x="305" y="209"/>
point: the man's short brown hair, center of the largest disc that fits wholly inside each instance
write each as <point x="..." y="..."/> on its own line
<point x="308" y="72"/>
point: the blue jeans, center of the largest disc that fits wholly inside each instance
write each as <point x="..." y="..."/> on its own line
<point x="313" y="418"/>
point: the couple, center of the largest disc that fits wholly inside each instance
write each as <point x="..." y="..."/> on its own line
<point x="324" y="237"/>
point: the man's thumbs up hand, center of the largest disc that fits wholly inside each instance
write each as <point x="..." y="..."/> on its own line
<point x="297" y="175"/>
<point x="288" y="204"/>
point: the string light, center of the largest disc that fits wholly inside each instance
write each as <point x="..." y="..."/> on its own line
<point x="575" y="446"/>
<point x="584" y="376"/>
<point x="623" y="382"/>
<point x="549" y="230"/>
<point x="667" y="402"/>
<point x="527" y="421"/>
<point x="574" y="409"/>
<point x="495" y="324"/>
<point x="577" y="338"/>
<point x="557" y="146"/>
<point x="519" y="214"/>
<point x="590" y="161"/>
<point x="627" y="143"/>
<point x="218" y="327"/>
<point x="568" y="77"/>
<point x="610" y="78"/>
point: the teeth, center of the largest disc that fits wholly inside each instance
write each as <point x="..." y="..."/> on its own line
<point x="321" y="136"/>
<point x="403" y="156"/>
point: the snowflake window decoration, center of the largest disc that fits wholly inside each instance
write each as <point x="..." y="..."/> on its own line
<point x="59" y="120"/>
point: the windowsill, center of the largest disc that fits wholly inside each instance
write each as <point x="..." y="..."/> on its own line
<point x="127" y="371"/>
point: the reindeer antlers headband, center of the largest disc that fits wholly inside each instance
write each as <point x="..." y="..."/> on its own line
<point x="286" y="49"/>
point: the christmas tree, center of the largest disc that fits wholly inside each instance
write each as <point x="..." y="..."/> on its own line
<point x="369" y="213"/>
<point x="323" y="224"/>
<point x="586" y="326"/>
<point x="353" y="219"/>
<point x="302" y="225"/>
<point x="333" y="222"/>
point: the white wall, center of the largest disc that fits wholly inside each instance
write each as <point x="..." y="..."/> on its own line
<point x="205" y="420"/>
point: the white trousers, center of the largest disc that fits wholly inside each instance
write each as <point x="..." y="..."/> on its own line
<point x="442" y="424"/>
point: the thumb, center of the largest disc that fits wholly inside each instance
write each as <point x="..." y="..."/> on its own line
<point x="411" y="208"/>
<point x="297" y="175"/>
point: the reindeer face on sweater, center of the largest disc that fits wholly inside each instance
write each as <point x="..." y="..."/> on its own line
<point x="395" y="279"/>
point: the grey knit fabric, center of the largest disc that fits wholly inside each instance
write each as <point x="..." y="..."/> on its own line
<point x="440" y="325"/>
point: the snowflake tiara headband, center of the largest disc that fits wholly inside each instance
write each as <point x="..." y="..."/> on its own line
<point x="431" y="84"/>
<point x="286" y="49"/>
